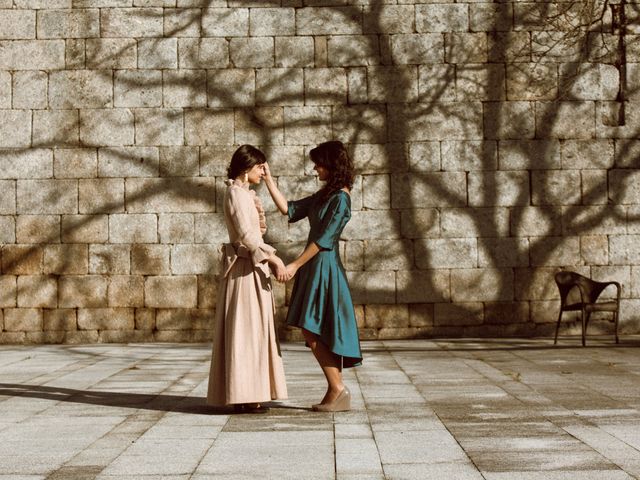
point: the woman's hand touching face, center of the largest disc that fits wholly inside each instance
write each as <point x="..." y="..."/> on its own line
<point x="267" y="171"/>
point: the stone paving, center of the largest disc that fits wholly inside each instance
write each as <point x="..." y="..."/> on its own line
<point x="422" y="409"/>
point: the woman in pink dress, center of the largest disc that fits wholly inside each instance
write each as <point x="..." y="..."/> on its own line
<point x="246" y="367"/>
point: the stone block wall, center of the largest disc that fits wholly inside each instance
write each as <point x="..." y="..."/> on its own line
<point x="495" y="143"/>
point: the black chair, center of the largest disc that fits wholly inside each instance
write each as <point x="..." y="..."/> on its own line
<point x="589" y="290"/>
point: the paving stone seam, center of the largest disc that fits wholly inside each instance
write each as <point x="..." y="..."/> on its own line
<point x="565" y="378"/>
<point x="43" y="379"/>
<point x="500" y="382"/>
<point x="373" y="435"/>
<point x="550" y="419"/>
<point x="90" y="363"/>
<point x="595" y="448"/>
<point x="158" y="415"/>
<point x="599" y="456"/>
<point x="507" y="377"/>
<point x="27" y="356"/>
<point x="213" y="443"/>
<point x="155" y="416"/>
<point x="335" y="451"/>
<point x="426" y="402"/>
<point x="577" y="419"/>
<point x="572" y="379"/>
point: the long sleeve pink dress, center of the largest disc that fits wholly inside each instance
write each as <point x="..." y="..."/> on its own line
<point x="246" y="365"/>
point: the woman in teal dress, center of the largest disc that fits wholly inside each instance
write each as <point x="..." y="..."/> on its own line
<point x="321" y="302"/>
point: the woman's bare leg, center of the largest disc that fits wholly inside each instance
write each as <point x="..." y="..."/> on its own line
<point x="330" y="364"/>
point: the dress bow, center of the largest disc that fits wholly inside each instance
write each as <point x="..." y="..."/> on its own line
<point x="230" y="253"/>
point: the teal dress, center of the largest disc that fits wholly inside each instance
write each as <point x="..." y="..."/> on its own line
<point x="321" y="300"/>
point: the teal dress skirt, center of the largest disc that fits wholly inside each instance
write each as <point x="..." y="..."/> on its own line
<point x="321" y="300"/>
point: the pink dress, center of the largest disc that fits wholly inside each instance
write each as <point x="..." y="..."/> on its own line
<point x="246" y="365"/>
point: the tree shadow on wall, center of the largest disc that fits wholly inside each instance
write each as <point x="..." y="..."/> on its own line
<point x="445" y="135"/>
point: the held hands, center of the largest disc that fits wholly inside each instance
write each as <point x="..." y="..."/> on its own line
<point x="283" y="273"/>
<point x="279" y="269"/>
<point x="291" y="270"/>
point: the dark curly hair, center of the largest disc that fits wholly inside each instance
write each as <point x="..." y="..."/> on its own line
<point x="243" y="159"/>
<point x="334" y="157"/>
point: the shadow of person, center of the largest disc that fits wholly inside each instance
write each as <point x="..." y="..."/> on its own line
<point x="142" y="401"/>
<point x="160" y="402"/>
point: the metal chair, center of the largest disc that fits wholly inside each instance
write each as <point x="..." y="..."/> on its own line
<point x="589" y="290"/>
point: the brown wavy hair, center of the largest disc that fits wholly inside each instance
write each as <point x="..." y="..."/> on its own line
<point x="334" y="157"/>
<point x="243" y="159"/>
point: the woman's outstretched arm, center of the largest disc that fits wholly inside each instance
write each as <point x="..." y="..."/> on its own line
<point x="278" y="198"/>
<point x="308" y="253"/>
<point x="337" y="215"/>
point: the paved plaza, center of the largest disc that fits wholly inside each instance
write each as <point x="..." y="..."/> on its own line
<point x="422" y="409"/>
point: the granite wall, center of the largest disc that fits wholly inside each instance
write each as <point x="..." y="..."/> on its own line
<point x="496" y="143"/>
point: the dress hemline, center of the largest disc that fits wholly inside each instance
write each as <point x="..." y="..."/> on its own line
<point x="356" y="364"/>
